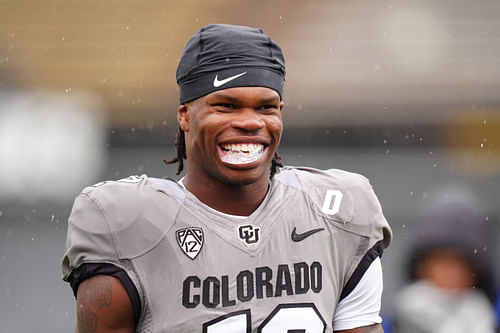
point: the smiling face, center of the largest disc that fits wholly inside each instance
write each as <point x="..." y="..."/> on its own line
<point x="231" y="135"/>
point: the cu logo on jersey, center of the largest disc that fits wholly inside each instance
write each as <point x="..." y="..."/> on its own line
<point x="248" y="234"/>
<point x="190" y="240"/>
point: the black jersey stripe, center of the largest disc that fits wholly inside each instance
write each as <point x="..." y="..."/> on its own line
<point x="88" y="270"/>
<point x="375" y="252"/>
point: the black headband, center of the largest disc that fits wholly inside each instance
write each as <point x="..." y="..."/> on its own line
<point x="222" y="56"/>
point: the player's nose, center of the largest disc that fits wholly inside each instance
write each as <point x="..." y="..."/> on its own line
<point x="248" y="120"/>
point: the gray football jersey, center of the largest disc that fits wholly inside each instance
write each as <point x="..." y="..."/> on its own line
<point x="284" y="268"/>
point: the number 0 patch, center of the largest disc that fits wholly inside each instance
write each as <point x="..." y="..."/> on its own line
<point x="190" y="240"/>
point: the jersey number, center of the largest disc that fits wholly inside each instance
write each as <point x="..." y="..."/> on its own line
<point x="331" y="205"/>
<point x="285" y="318"/>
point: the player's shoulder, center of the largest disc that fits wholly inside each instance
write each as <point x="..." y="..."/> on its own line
<point x="136" y="189"/>
<point x="314" y="178"/>
<point x="123" y="209"/>
<point x="344" y="197"/>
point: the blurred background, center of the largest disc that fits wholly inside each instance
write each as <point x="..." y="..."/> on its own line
<point x="406" y="93"/>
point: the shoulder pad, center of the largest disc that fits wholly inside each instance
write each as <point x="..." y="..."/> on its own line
<point x="138" y="210"/>
<point x="345" y="198"/>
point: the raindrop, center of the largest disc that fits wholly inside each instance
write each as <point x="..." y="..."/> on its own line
<point x="385" y="142"/>
<point x="404" y="225"/>
<point x="67" y="90"/>
<point x="484" y="121"/>
<point x="1" y="213"/>
<point x="485" y="248"/>
<point x="127" y="28"/>
<point x="387" y="151"/>
<point x="411" y="192"/>
<point x="434" y="165"/>
<point x="475" y="251"/>
<point x="63" y="38"/>
<point x="482" y="145"/>
<point x="52" y="218"/>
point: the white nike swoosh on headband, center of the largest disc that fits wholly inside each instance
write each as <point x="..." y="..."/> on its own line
<point x="218" y="83"/>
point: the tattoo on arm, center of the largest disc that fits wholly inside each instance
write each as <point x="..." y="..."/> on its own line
<point x="91" y="295"/>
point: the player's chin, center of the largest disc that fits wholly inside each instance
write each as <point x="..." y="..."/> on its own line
<point x="246" y="174"/>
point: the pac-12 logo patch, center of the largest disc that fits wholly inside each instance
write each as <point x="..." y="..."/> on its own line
<point x="248" y="234"/>
<point x="190" y="240"/>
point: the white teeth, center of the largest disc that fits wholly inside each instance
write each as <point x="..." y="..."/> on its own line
<point x="241" y="153"/>
<point x="241" y="147"/>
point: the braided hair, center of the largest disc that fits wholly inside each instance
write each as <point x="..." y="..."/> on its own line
<point x="180" y="145"/>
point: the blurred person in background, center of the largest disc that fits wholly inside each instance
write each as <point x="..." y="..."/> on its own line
<point x="452" y="289"/>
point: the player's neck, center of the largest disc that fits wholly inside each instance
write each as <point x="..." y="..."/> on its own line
<point x="228" y="198"/>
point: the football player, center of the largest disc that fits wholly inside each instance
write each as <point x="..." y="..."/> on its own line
<point x="241" y="243"/>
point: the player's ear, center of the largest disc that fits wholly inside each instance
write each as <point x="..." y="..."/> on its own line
<point x="281" y="105"/>
<point x="183" y="117"/>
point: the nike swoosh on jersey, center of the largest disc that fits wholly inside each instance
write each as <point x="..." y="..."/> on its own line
<point x="218" y="83"/>
<point x="300" y="237"/>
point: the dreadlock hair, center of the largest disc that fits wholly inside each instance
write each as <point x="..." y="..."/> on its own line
<point x="180" y="145"/>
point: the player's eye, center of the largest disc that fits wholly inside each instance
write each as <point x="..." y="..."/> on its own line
<point x="224" y="106"/>
<point x="268" y="108"/>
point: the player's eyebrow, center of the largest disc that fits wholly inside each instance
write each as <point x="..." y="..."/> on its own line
<point x="236" y="100"/>
<point x="226" y="97"/>
<point x="270" y="100"/>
